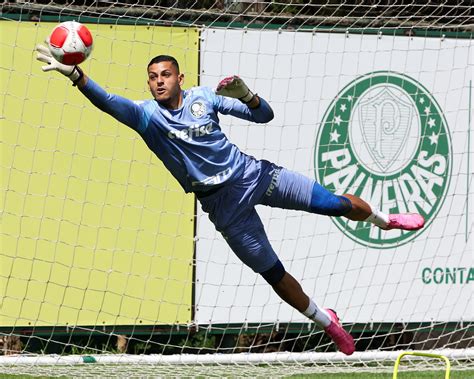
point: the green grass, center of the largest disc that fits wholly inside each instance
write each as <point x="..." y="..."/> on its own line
<point x="401" y="375"/>
<point x="357" y="375"/>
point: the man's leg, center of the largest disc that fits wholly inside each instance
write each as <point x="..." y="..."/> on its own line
<point x="249" y="242"/>
<point x="362" y="211"/>
<point x="291" y="292"/>
<point x="295" y="191"/>
<point x="291" y="190"/>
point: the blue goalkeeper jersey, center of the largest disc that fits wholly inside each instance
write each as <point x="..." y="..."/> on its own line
<point x="188" y="140"/>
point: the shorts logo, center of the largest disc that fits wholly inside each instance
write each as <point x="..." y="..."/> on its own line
<point x="384" y="138"/>
<point x="198" y="109"/>
<point x="274" y="182"/>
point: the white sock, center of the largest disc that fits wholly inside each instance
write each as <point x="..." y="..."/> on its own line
<point x="318" y="315"/>
<point x="377" y="217"/>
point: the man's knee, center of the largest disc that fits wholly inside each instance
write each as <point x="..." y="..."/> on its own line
<point x="275" y="274"/>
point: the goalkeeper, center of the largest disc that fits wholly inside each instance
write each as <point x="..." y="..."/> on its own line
<point x="182" y="128"/>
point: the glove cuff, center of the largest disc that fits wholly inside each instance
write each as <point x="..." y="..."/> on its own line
<point x="76" y="75"/>
<point x="247" y="98"/>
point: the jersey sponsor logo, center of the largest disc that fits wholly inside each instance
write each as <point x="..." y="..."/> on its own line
<point x="190" y="133"/>
<point x="384" y="138"/>
<point x="198" y="109"/>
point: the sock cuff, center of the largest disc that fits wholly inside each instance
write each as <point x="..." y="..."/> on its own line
<point x="318" y="315"/>
<point x="377" y="217"/>
<point x="311" y="311"/>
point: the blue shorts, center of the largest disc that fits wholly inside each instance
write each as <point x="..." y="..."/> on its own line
<point x="232" y="208"/>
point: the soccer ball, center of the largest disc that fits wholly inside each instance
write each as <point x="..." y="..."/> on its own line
<point x="70" y="43"/>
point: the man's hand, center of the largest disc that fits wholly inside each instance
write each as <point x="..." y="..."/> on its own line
<point x="235" y="87"/>
<point x="72" y="72"/>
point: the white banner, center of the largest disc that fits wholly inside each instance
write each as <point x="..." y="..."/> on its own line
<point x="386" y="118"/>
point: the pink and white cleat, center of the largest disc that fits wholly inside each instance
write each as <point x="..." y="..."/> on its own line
<point x="342" y="339"/>
<point x="405" y="221"/>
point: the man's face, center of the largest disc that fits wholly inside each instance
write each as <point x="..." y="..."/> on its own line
<point x="165" y="83"/>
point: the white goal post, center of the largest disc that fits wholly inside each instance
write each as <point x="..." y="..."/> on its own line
<point x="104" y="260"/>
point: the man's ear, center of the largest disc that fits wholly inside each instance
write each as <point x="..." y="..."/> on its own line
<point x="181" y="79"/>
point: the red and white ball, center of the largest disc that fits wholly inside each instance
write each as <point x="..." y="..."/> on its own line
<point x="70" y="43"/>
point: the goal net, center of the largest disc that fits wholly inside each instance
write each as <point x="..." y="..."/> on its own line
<point x="108" y="268"/>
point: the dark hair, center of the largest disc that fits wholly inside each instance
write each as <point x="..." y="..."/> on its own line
<point x="164" y="58"/>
